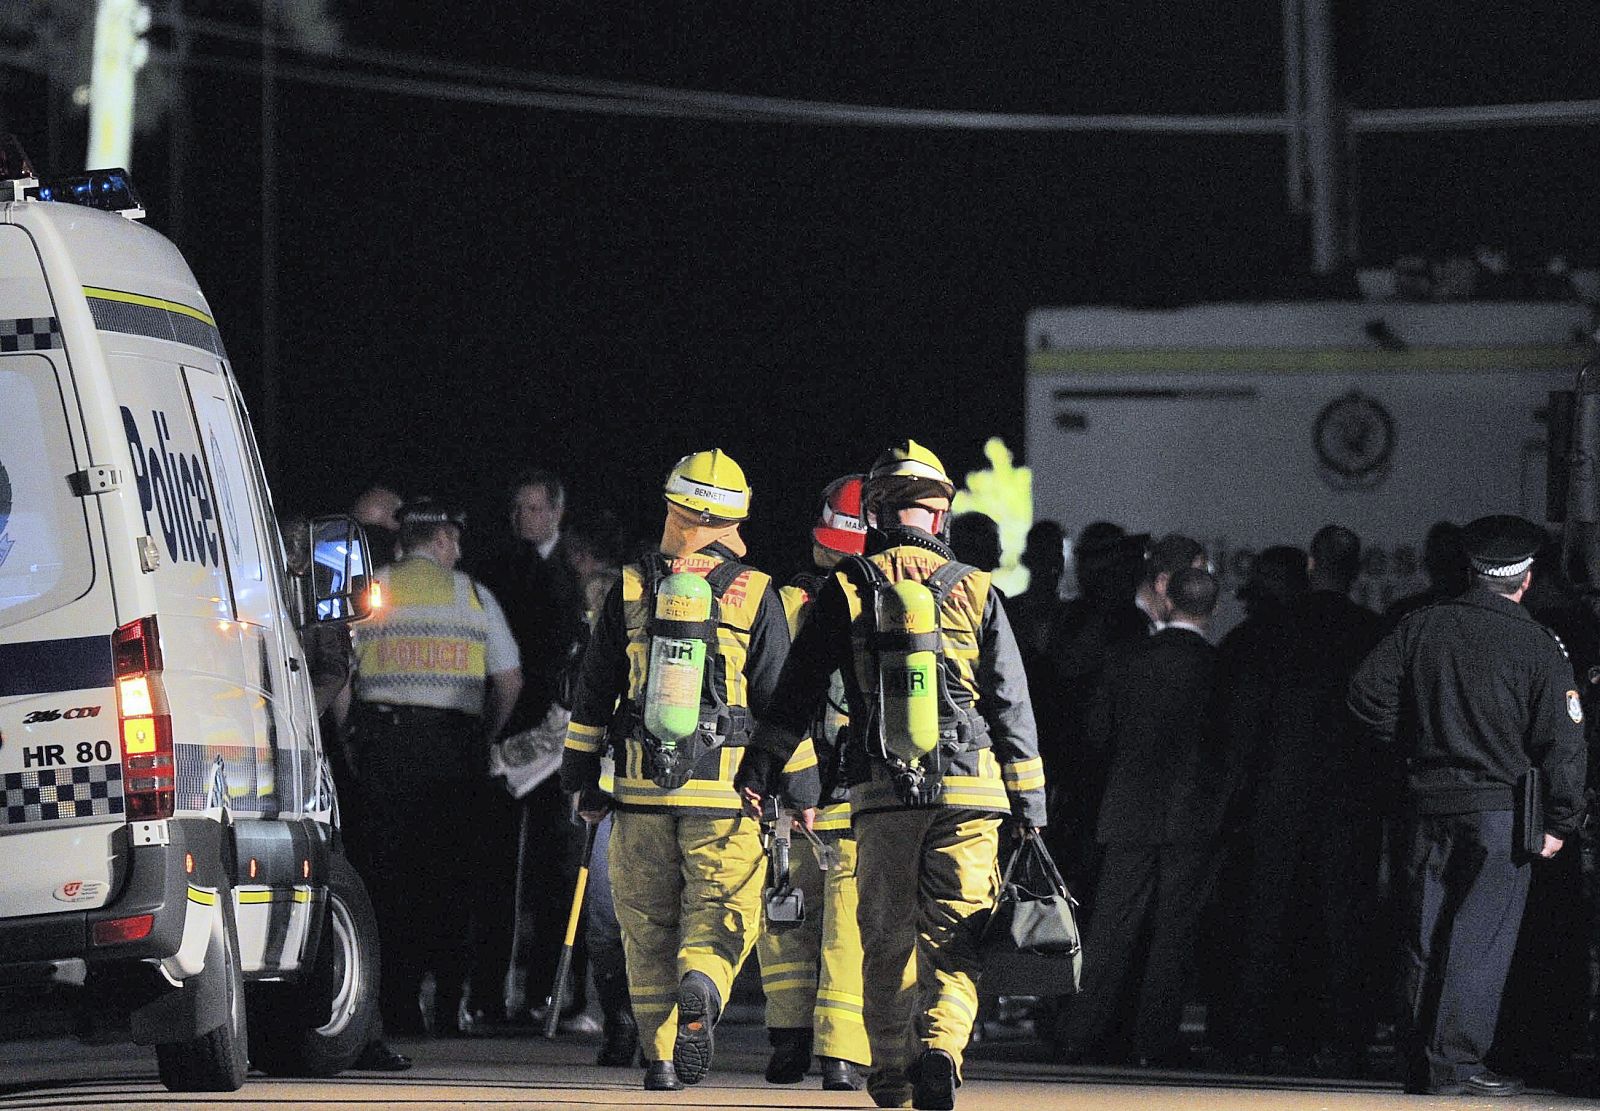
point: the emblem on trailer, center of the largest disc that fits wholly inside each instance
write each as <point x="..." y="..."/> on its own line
<point x="1354" y="440"/>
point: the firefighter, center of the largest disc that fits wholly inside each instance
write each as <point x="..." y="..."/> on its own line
<point x="686" y="865"/>
<point x="812" y="974"/>
<point x="931" y="782"/>
<point x="437" y="675"/>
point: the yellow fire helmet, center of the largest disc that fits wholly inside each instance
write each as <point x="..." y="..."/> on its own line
<point x="711" y="484"/>
<point x="907" y="470"/>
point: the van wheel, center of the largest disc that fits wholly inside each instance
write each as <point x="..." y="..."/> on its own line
<point x="215" y="1061"/>
<point x="319" y="1025"/>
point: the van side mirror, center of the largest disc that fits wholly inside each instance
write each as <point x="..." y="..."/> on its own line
<point x="341" y="570"/>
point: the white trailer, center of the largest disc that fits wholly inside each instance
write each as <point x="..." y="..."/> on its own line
<point x="1246" y="425"/>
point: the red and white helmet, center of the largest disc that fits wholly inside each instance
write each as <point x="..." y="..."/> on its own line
<point x="841" y="526"/>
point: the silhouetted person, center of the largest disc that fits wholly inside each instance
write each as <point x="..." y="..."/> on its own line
<point x="1102" y="617"/>
<point x="1315" y="830"/>
<point x="1444" y="558"/>
<point x="975" y="538"/>
<point x="1246" y="661"/>
<point x="1166" y="557"/>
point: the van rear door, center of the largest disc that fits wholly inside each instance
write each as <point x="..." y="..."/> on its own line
<point x="61" y="798"/>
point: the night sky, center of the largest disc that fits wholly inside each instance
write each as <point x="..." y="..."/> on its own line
<point x="468" y="290"/>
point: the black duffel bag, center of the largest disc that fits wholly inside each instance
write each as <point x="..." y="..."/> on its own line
<point x="1030" y="944"/>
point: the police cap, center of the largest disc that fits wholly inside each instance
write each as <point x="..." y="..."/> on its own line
<point x="1502" y="545"/>
<point x="431" y="511"/>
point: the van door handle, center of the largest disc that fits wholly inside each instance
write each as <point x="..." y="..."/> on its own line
<point x="294" y="664"/>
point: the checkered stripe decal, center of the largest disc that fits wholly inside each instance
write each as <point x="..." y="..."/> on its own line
<point x="36" y="333"/>
<point x="55" y="794"/>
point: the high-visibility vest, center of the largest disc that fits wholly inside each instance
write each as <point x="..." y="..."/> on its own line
<point x="427" y="646"/>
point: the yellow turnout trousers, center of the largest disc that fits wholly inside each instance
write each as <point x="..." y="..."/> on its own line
<point x="687" y="889"/>
<point x="812" y="974"/>
<point x="927" y="879"/>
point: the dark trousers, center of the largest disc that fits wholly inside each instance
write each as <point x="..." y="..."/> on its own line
<point x="1153" y="892"/>
<point x="495" y="823"/>
<point x="1464" y="894"/>
<point x="415" y="793"/>
<point x="1310" y="946"/>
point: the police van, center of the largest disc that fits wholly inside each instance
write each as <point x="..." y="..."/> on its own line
<point x="171" y="868"/>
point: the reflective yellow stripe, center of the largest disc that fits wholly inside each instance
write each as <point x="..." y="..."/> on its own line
<point x="201" y="896"/>
<point x="263" y="895"/>
<point x="793" y="981"/>
<point x="805" y="756"/>
<point x="147" y="302"/>
<point x="787" y="966"/>
<point x="581" y="744"/>
<point x="302" y="894"/>
<point x="587" y="732"/>
<point x="1276" y="360"/>
<point x="833" y="818"/>
<point x="1021" y="768"/>
<point x="707" y="794"/>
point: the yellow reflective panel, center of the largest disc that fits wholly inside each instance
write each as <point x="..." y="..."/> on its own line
<point x="138" y="736"/>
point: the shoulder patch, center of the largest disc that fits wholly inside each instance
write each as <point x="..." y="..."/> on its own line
<point x="1575" y="707"/>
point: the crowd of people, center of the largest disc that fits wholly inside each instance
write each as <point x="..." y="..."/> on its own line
<point x="1275" y="823"/>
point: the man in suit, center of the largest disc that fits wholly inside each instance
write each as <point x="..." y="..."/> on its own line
<point x="546" y="609"/>
<point x="1158" y="823"/>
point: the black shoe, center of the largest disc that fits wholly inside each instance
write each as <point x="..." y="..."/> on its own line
<point x="621" y="1044"/>
<point x="1486" y="1084"/>
<point x="839" y="1075"/>
<point x="660" y="1076"/>
<point x="378" y="1057"/>
<point x="934" y="1086"/>
<point x="791" y="1055"/>
<point x="698" y="1008"/>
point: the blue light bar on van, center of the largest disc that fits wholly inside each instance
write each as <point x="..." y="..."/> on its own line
<point x="107" y="190"/>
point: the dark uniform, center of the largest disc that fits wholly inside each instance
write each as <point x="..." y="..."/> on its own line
<point x="1477" y="693"/>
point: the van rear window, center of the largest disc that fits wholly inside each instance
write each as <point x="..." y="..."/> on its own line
<point x="45" y="558"/>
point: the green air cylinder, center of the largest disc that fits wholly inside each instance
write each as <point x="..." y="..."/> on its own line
<point x="908" y="680"/>
<point x="677" y="664"/>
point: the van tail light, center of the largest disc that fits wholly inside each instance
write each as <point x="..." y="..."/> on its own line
<point x="145" y="722"/>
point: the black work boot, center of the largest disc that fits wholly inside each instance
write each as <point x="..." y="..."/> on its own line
<point x="620" y="1044"/>
<point x="660" y="1076"/>
<point x="933" y="1087"/>
<point x="791" y="1054"/>
<point x="839" y="1075"/>
<point x="699" y="1004"/>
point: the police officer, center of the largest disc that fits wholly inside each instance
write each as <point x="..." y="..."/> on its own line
<point x="686" y="866"/>
<point x="437" y="676"/>
<point x="1477" y="693"/>
<point x="927" y="810"/>
<point x="811" y="974"/>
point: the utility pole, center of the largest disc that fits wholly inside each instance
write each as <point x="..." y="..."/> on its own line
<point x="1322" y="141"/>
<point x="269" y="237"/>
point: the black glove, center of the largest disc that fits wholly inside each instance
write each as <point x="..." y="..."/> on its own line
<point x="759" y="771"/>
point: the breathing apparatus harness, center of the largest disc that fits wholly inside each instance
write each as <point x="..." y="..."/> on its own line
<point x="917" y="763"/>
<point x="670" y="763"/>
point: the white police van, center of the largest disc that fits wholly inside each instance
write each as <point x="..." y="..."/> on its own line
<point x="170" y="863"/>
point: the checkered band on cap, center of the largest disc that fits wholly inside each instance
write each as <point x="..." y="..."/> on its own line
<point x="1501" y="570"/>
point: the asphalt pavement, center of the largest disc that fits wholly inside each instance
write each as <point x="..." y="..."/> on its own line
<point x="1004" y="1074"/>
